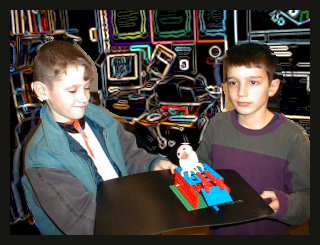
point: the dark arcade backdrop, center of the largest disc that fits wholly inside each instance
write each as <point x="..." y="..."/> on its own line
<point x="287" y="32"/>
<point x="160" y="72"/>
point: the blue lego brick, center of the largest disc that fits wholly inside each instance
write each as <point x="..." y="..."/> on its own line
<point x="216" y="196"/>
<point x="210" y="170"/>
<point x="216" y="208"/>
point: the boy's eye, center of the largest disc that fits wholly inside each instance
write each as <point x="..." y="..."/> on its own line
<point x="253" y="82"/>
<point x="231" y="83"/>
<point x="72" y="91"/>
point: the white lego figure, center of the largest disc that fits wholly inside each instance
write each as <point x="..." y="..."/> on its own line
<point x="188" y="159"/>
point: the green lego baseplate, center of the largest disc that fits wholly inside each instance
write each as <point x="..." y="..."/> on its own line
<point x="188" y="206"/>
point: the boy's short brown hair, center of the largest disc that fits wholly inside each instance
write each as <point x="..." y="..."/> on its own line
<point x="251" y="54"/>
<point x="54" y="57"/>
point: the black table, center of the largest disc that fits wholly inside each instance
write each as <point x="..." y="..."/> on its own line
<point x="144" y="204"/>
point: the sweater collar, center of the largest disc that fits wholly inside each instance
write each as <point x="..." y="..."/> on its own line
<point x="271" y="126"/>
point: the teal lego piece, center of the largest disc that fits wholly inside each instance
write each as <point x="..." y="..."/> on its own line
<point x="216" y="196"/>
<point x="210" y="170"/>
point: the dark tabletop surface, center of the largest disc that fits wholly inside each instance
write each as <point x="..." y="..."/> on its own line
<point x="144" y="204"/>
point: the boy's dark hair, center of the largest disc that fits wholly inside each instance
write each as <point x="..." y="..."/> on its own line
<point x="251" y="55"/>
<point x="55" y="56"/>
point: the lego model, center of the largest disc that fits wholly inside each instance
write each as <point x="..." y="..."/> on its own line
<point x="197" y="185"/>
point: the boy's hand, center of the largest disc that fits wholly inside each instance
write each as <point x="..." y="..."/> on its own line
<point x="163" y="164"/>
<point x="272" y="199"/>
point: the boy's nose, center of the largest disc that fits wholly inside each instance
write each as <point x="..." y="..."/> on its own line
<point x="242" y="90"/>
<point x="83" y="96"/>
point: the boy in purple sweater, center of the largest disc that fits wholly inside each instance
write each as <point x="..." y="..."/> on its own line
<point x="269" y="151"/>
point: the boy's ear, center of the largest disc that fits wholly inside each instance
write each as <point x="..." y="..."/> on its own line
<point x="40" y="89"/>
<point x="274" y="87"/>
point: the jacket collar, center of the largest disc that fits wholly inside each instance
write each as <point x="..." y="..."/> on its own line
<point x="56" y="137"/>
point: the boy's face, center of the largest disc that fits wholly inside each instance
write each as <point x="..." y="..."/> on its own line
<point x="249" y="89"/>
<point x="69" y="95"/>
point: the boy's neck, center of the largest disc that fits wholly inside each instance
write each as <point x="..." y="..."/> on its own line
<point x="255" y="122"/>
<point x="73" y="126"/>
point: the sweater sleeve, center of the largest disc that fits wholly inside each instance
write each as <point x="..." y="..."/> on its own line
<point x="204" y="149"/>
<point x="64" y="199"/>
<point x="298" y="200"/>
<point x="137" y="159"/>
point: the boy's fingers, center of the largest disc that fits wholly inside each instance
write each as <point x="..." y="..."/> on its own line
<point x="268" y="194"/>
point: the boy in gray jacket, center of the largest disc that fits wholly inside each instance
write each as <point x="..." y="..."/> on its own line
<point x="76" y="145"/>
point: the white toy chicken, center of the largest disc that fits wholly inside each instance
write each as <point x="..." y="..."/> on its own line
<point x="188" y="159"/>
